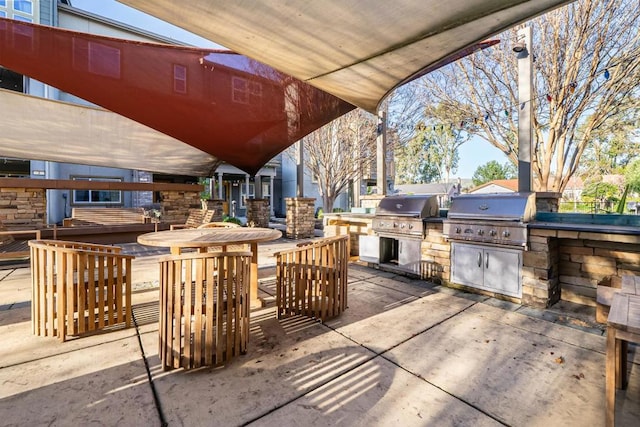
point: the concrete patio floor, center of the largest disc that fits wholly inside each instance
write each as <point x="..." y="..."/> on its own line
<point x="406" y="352"/>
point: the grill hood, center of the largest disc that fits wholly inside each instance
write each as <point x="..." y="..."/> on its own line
<point x="494" y="207"/>
<point x="423" y="206"/>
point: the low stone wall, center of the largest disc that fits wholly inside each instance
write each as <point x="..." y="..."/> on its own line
<point x="570" y="264"/>
<point x="215" y="205"/>
<point x="23" y="208"/>
<point x="354" y="225"/>
<point x="176" y="205"/>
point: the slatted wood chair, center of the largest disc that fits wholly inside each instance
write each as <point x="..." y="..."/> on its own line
<point x="204" y="308"/>
<point x="196" y="218"/>
<point x="311" y="279"/>
<point x="78" y="287"/>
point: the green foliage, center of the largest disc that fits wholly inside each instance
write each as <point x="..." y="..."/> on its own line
<point x="232" y="219"/>
<point x="493" y="170"/>
<point x="632" y="176"/>
<point x="319" y="213"/>
<point x="621" y="208"/>
<point x="337" y="210"/>
<point x="601" y="193"/>
<point x="431" y="155"/>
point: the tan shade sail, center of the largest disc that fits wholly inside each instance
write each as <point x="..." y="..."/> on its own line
<point x="233" y="108"/>
<point x="357" y="50"/>
<point x="41" y="129"/>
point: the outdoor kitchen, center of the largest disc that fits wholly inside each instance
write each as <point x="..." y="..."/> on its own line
<point x="515" y="247"/>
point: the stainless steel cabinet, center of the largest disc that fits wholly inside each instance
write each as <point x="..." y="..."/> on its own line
<point x="490" y="268"/>
<point x="409" y="255"/>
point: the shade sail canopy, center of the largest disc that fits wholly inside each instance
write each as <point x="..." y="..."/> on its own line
<point x="233" y="108"/>
<point x="357" y="50"/>
<point x="40" y="129"/>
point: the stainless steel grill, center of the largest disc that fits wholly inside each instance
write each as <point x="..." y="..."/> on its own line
<point x="491" y="218"/>
<point x="403" y="215"/>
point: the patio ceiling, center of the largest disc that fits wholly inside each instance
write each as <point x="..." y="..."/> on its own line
<point x="357" y="50"/>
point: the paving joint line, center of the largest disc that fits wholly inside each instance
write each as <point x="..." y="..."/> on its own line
<point x="154" y="391"/>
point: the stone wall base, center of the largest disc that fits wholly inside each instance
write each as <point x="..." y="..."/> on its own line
<point x="300" y="217"/>
<point x="257" y="212"/>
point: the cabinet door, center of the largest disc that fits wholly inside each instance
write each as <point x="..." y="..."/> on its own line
<point x="467" y="266"/>
<point x="502" y="269"/>
<point x="409" y="255"/>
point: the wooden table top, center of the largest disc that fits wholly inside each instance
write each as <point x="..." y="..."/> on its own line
<point x="625" y="312"/>
<point x="205" y="237"/>
<point x="631" y="284"/>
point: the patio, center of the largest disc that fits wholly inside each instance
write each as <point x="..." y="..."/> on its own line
<point x="405" y="352"/>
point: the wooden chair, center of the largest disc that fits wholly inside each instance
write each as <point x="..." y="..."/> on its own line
<point x="78" y="287"/>
<point x="204" y="308"/>
<point x="196" y="218"/>
<point x="311" y="279"/>
<point x="219" y="224"/>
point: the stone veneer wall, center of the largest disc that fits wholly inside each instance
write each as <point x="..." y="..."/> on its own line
<point x="23" y="208"/>
<point x="547" y="201"/>
<point x="569" y="265"/>
<point x="215" y="205"/>
<point x="436" y="255"/>
<point x="300" y="217"/>
<point x="258" y="212"/>
<point x="540" y="286"/>
<point x="176" y="205"/>
<point x="339" y="224"/>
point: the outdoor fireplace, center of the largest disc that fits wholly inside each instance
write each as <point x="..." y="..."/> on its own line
<point x="399" y="226"/>
<point x="488" y="234"/>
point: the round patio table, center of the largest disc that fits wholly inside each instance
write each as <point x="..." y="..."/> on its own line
<point x="203" y="238"/>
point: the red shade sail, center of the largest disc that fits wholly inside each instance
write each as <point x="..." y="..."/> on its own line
<point x="234" y="108"/>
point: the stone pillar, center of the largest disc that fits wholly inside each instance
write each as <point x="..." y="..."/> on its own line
<point x="540" y="281"/>
<point x="214" y="205"/>
<point x="300" y="217"/>
<point x="547" y="201"/>
<point x="257" y="212"/>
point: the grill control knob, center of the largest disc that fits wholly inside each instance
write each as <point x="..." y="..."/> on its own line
<point x="395" y="225"/>
<point x="480" y="232"/>
<point x="410" y="226"/>
<point x="458" y="230"/>
<point x="401" y="225"/>
<point x="506" y="233"/>
<point x="492" y="233"/>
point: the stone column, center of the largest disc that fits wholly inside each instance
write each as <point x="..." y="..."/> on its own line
<point x="258" y="212"/>
<point x="214" y="205"/>
<point x="547" y="201"/>
<point x="300" y="217"/>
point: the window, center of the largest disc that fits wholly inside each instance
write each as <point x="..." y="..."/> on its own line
<point x="23" y="6"/>
<point x="243" y="195"/>
<point x="3" y="14"/>
<point x="98" y="197"/>
<point x="179" y="78"/>
<point x="239" y="90"/>
<point x="3" y="3"/>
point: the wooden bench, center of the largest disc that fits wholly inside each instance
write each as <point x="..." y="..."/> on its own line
<point x="196" y="218"/>
<point x="204" y="308"/>
<point x="105" y="216"/>
<point x="311" y="279"/>
<point x="11" y="249"/>
<point x="78" y="287"/>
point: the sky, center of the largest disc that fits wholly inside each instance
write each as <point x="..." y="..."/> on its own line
<point x="473" y="154"/>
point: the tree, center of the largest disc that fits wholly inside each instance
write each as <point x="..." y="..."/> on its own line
<point x="493" y="170"/>
<point x="632" y="176"/>
<point x="338" y="152"/>
<point x="601" y="193"/>
<point x="431" y="155"/>
<point x="586" y="73"/>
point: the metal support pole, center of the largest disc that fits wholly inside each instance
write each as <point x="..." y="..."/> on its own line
<point x="300" y="169"/>
<point x="525" y="112"/>
<point x="381" y="154"/>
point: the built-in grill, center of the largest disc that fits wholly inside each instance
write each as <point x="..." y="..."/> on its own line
<point x="399" y="225"/>
<point x="488" y="234"/>
<point x="499" y="219"/>
<point x="404" y="215"/>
